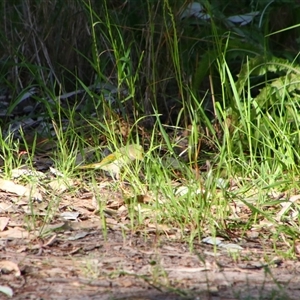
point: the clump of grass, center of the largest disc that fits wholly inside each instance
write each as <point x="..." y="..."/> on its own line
<point x="196" y="94"/>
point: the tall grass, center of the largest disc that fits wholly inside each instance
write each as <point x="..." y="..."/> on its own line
<point x="188" y="90"/>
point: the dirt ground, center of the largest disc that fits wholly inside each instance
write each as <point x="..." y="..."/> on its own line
<point x="82" y="263"/>
<point x="79" y="259"/>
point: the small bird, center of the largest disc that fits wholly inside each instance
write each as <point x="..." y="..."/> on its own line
<point x="114" y="162"/>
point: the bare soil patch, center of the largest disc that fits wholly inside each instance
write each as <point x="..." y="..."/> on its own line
<point x="80" y="259"/>
<point x="84" y="264"/>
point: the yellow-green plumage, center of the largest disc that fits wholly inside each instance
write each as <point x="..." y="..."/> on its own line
<point x="113" y="163"/>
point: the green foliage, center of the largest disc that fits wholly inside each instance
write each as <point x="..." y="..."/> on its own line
<point x="279" y="84"/>
<point x="230" y="86"/>
<point x="265" y="115"/>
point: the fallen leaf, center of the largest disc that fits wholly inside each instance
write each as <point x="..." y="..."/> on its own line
<point x="78" y="236"/>
<point x="69" y="215"/>
<point x="7" y="267"/>
<point x="6" y="290"/>
<point x="3" y="223"/>
<point x="25" y="171"/>
<point x="216" y="241"/>
<point x="231" y="247"/>
<point x="286" y="206"/>
<point x="15" y="233"/>
<point x="4" y="207"/>
<point x="11" y="187"/>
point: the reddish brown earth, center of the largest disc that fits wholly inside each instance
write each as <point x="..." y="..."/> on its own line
<point x="132" y="266"/>
<point x="80" y="260"/>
